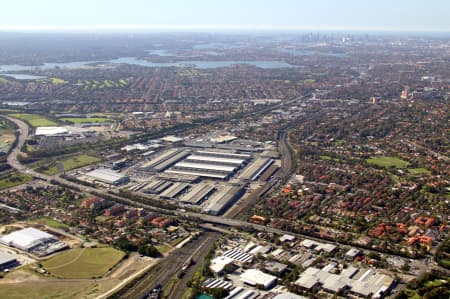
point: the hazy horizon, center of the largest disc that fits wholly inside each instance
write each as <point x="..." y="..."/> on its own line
<point x="231" y="15"/>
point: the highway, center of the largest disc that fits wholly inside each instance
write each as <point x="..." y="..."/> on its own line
<point x="192" y="216"/>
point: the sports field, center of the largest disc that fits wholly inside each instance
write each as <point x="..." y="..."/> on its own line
<point x="384" y="161"/>
<point x="34" y="120"/>
<point x="83" y="262"/>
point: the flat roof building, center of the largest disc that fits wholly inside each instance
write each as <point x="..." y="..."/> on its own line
<point x="108" y="176"/>
<point x="27" y="238"/>
<point x="255" y="277"/>
<point x="50" y="131"/>
<point x="7" y="261"/>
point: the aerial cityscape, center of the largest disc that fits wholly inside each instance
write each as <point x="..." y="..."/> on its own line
<point x="208" y="154"/>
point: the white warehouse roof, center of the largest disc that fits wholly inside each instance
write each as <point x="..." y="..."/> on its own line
<point x="106" y="175"/>
<point x="209" y="167"/>
<point x="50" y="131"/>
<point x="26" y="238"/>
<point x="216" y="159"/>
<point x="256" y="277"/>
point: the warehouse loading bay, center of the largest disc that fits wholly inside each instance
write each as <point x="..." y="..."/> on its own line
<point x="210" y="179"/>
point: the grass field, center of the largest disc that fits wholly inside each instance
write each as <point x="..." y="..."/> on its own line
<point x="383" y="161"/>
<point x="83" y="262"/>
<point x="57" y="81"/>
<point x="70" y="163"/>
<point x="14" y="180"/>
<point x="34" y="120"/>
<point x="39" y="290"/>
<point x="81" y="120"/>
<point x="53" y="223"/>
<point x="163" y="248"/>
<point x="419" y="171"/>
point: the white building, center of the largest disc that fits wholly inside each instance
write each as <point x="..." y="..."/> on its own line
<point x="255" y="277"/>
<point x="219" y="263"/>
<point x="27" y="238"/>
<point x="107" y="176"/>
<point x="50" y="131"/>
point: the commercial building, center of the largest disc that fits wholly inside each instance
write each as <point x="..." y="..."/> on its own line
<point x="108" y="176"/>
<point x="257" y="278"/>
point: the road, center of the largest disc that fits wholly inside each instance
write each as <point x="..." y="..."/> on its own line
<point x="200" y="218"/>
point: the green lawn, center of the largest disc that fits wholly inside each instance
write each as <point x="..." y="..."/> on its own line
<point x="57" y="81"/>
<point x="34" y="120"/>
<point x="163" y="248"/>
<point x="14" y="180"/>
<point x="70" y="163"/>
<point x="82" y="120"/>
<point x="83" y="262"/>
<point x="53" y="223"/>
<point x="419" y="171"/>
<point x="383" y="161"/>
<point x="45" y="289"/>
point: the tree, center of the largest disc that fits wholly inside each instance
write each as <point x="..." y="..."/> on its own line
<point x="149" y="250"/>
<point x="218" y="293"/>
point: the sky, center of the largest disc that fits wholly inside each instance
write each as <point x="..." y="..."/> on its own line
<point x="133" y="15"/>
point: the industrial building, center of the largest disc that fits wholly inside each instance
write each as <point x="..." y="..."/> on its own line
<point x="27" y="238"/>
<point x="223" y="200"/>
<point x="33" y="240"/>
<point x="165" y="160"/>
<point x="258" y="278"/>
<point x="208" y="164"/>
<point x="7" y="261"/>
<point x="216" y="160"/>
<point x="51" y="131"/>
<point x="174" y="190"/>
<point x="256" y="169"/>
<point x="108" y="176"/>
<point x="370" y="284"/>
<point x="238" y="256"/>
<point x="198" y="194"/>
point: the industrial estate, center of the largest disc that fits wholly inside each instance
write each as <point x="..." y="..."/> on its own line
<point x="225" y="166"/>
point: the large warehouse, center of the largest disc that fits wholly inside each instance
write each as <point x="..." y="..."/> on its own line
<point x="210" y="164"/>
<point x="107" y="176"/>
<point x="26" y="239"/>
<point x="7" y="261"/>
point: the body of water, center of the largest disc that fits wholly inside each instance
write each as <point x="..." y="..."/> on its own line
<point x="265" y="64"/>
<point x="298" y="52"/>
<point x="23" y="76"/>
